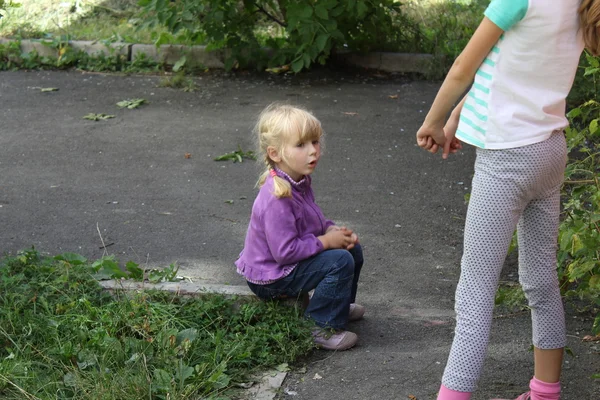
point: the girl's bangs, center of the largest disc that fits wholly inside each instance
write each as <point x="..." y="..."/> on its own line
<point x="309" y="129"/>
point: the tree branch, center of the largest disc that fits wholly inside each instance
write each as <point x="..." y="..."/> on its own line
<point x="272" y="18"/>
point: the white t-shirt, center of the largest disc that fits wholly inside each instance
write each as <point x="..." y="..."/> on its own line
<point x="518" y="95"/>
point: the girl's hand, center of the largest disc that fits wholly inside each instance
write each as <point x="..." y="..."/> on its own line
<point x="338" y="239"/>
<point x="353" y="237"/>
<point x="333" y="228"/>
<point x="430" y="138"/>
<point x="452" y="123"/>
<point x="450" y="145"/>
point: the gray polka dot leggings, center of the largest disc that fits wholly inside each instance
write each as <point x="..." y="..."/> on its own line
<point x="512" y="188"/>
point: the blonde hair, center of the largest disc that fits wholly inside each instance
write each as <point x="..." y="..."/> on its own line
<point x="278" y="125"/>
<point x="589" y="21"/>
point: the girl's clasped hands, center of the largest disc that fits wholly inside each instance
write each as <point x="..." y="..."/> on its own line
<point x="432" y="138"/>
<point x="338" y="237"/>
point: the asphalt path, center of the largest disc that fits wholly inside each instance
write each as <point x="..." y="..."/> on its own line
<point x="144" y="186"/>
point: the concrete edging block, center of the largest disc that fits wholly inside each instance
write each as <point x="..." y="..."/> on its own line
<point x="30" y="46"/>
<point x="94" y="48"/>
<point x="197" y="56"/>
<point x="180" y="288"/>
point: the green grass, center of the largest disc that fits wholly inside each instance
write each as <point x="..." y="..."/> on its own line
<point x="93" y="20"/>
<point x="63" y="337"/>
<point x="178" y="81"/>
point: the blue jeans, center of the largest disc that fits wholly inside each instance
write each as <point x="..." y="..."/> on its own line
<point x="333" y="274"/>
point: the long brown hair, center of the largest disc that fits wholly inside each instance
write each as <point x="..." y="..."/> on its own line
<point x="589" y="20"/>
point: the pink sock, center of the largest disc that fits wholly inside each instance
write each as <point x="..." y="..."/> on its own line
<point x="543" y="390"/>
<point x="449" y="394"/>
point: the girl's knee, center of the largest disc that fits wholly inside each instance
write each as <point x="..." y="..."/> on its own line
<point x="344" y="262"/>
<point x="542" y="293"/>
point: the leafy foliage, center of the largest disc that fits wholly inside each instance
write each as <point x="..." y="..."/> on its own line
<point x="579" y="238"/>
<point x="510" y="297"/>
<point x="4" y="4"/>
<point x="64" y="337"/>
<point x="308" y="30"/>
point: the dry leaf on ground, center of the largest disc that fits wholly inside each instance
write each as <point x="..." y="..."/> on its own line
<point x="590" y="338"/>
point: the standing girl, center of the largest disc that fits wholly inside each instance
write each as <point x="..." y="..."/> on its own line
<point x="290" y="248"/>
<point x="521" y="64"/>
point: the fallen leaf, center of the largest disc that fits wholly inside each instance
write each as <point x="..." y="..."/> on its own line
<point x="412" y="397"/>
<point x="229" y="201"/>
<point x="435" y="322"/>
<point x="350" y="113"/>
<point x="187" y="155"/>
<point x="98" y="117"/>
<point x="393" y="96"/>
<point x="279" y="70"/>
<point x="569" y="351"/>
<point x="590" y="338"/>
<point x="317" y="377"/>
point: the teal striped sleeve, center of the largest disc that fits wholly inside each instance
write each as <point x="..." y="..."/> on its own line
<point x="506" y="13"/>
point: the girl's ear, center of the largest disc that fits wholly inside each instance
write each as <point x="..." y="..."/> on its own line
<point x="273" y="154"/>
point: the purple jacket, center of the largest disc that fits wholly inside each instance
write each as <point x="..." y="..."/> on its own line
<point x="281" y="232"/>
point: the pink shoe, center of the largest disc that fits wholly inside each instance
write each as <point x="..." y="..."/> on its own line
<point x="524" y="396"/>
<point x="356" y="312"/>
<point x="334" y="340"/>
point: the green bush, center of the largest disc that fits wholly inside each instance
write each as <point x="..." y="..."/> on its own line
<point x="302" y="32"/>
<point x="4" y="4"/>
<point x="579" y="237"/>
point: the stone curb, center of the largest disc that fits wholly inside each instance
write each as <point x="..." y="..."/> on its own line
<point x="196" y="56"/>
<point x="185" y="288"/>
<point x="199" y="56"/>
<point x="182" y="288"/>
